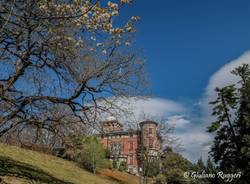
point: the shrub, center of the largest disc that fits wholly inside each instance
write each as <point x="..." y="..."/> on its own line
<point x="160" y="179"/>
<point x="115" y="165"/>
<point x="85" y="150"/>
<point x="123" y="166"/>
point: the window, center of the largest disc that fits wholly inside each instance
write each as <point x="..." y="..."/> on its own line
<point x="131" y="146"/>
<point x="116" y="148"/>
<point x="131" y="159"/>
<point x="151" y="142"/>
<point x="150" y="130"/>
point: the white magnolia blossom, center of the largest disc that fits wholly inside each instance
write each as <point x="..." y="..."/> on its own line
<point x="92" y="18"/>
<point x="113" y="6"/>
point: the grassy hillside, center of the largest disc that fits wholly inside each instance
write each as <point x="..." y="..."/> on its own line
<point x="20" y="166"/>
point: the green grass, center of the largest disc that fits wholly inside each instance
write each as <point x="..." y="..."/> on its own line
<point x="20" y="166"/>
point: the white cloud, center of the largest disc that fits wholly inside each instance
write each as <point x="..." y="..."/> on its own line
<point x="141" y="108"/>
<point x="178" y="121"/>
<point x="222" y="77"/>
<point x="155" y="107"/>
<point x="133" y="110"/>
<point x="196" y="142"/>
<point x="193" y="137"/>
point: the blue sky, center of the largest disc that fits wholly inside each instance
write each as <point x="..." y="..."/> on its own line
<point x="190" y="47"/>
<point x="186" y="41"/>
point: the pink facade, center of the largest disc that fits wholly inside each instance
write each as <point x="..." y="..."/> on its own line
<point x="123" y="144"/>
<point x="128" y="146"/>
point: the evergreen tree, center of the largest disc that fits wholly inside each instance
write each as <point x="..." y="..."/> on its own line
<point x="231" y="148"/>
<point x="201" y="168"/>
<point x="210" y="168"/>
<point x="200" y="165"/>
<point x="174" y="167"/>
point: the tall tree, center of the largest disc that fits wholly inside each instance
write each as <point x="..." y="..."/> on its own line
<point x="200" y="165"/>
<point x="62" y="54"/>
<point x="92" y="156"/>
<point x="201" y="168"/>
<point x="211" y="169"/>
<point x="231" y="148"/>
<point x="174" y="167"/>
<point x="87" y="151"/>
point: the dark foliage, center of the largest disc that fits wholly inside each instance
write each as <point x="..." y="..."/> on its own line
<point x="231" y="147"/>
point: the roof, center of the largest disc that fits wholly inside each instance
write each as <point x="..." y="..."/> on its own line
<point x="148" y="122"/>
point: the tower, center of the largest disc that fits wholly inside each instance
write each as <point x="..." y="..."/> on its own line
<point x="149" y="138"/>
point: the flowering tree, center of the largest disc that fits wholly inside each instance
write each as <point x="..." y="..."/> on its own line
<point x="65" y="56"/>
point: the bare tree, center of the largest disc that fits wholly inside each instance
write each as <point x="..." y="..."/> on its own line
<point x="165" y="132"/>
<point x="63" y="54"/>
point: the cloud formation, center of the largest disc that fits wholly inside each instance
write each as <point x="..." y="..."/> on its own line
<point x="190" y="128"/>
<point x="221" y="78"/>
<point x="155" y="107"/>
<point x="196" y="143"/>
<point x="177" y="121"/>
<point x="198" y="140"/>
<point x="192" y="137"/>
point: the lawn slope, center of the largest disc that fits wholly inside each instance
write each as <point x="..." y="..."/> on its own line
<point x="20" y="166"/>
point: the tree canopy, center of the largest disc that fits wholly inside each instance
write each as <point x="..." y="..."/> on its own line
<point x="61" y="61"/>
<point x="231" y="147"/>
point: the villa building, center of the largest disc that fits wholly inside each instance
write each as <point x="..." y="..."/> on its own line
<point x="123" y="144"/>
